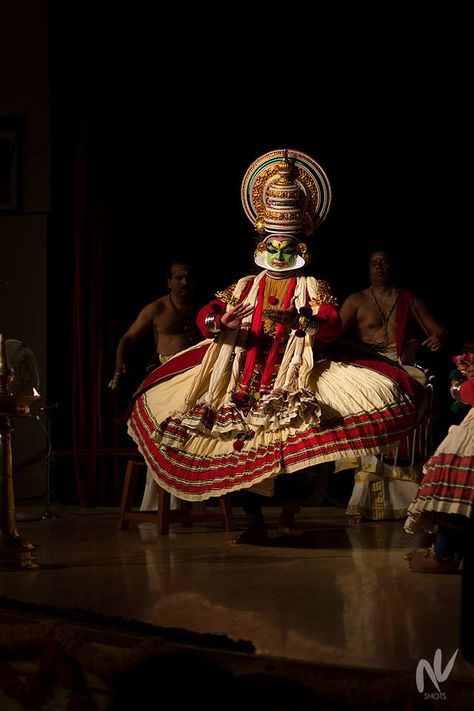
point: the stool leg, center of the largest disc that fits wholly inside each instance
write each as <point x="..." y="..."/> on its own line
<point x="226" y="508"/>
<point x="127" y="494"/>
<point x="163" y="514"/>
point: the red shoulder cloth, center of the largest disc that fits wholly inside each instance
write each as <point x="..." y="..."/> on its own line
<point x="404" y="299"/>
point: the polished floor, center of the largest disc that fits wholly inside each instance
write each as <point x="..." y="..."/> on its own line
<point x="339" y="595"/>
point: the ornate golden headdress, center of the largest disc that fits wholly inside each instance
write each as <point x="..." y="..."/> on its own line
<point x="286" y="193"/>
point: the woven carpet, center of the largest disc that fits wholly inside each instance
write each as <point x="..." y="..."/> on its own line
<point x="57" y="657"/>
<point x="78" y="660"/>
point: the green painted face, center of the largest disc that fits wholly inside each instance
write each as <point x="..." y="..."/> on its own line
<point x="281" y="253"/>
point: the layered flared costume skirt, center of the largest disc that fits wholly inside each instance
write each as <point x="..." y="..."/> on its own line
<point x="447" y="486"/>
<point x="362" y="411"/>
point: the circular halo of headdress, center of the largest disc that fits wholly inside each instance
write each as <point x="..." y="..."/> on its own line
<point x="306" y="174"/>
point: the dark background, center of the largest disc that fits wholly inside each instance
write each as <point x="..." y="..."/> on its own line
<point x="173" y="128"/>
<point x="154" y="126"/>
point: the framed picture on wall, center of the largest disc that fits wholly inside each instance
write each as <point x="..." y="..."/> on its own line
<point x="10" y="164"/>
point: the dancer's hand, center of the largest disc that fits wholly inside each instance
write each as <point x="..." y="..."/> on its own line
<point x="233" y="318"/>
<point x="287" y="317"/>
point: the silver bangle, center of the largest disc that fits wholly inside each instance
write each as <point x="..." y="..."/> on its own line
<point x="454" y="390"/>
<point x="210" y="322"/>
<point x="313" y="326"/>
<point x="308" y="324"/>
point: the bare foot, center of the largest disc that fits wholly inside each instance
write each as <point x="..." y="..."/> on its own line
<point x="255" y="535"/>
<point x="285" y="525"/>
<point x="423" y="560"/>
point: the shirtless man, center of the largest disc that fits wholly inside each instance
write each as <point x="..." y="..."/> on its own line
<point x="385" y="321"/>
<point x="383" y="317"/>
<point x="172" y="318"/>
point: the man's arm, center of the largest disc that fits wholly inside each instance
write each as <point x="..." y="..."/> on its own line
<point x="142" y="324"/>
<point x="436" y="334"/>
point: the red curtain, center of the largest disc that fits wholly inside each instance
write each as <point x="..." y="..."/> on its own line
<point x="88" y="433"/>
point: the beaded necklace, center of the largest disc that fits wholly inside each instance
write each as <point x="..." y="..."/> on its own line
<point x="188" y="324"/>
<point x="384" y="317"/>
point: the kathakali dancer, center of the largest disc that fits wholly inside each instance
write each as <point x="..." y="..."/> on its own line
<point x="444" y="503"/>
<point x="258" y="397"/>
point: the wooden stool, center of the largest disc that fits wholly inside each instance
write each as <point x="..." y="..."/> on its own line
<point x="164" y="516"/>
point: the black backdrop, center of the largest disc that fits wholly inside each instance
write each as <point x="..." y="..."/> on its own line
<point x="167" y="135"/>
<point x="178" y="122"/>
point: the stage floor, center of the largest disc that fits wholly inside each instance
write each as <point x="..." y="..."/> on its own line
<point x="339" y="595"/>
